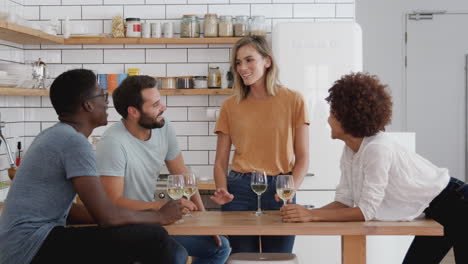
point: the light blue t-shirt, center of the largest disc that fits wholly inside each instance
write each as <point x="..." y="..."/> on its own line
<point x="120" y="154"/>
<point x="41" y="194"/>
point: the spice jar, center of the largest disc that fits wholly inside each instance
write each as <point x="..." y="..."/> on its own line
<point x="189" y="27"/>
<point x="210" y="26"/>
<point x="168" y="82"/>
<point x="214" y="78"/>
<point x="225" y="26"/>
<point x="241" y="25"/>
<point x="200" y="82"/>
<point x="133" y="27"/>
<point x="257" y="26"/>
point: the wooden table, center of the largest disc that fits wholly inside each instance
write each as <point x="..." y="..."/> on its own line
<point x="353" y="234"/>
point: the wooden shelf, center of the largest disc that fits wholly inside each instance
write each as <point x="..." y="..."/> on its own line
<point x="45" y="92"/>
<point x="113" y="41"/>
<point x="24" y="35"/>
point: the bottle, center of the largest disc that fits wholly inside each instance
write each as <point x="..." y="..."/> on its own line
<point x="214" y="78"/>
<point x="66" y="28"/>
<point x="18" y="154"/>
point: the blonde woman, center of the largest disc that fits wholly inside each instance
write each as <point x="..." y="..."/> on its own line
<point x="268" y="126"/>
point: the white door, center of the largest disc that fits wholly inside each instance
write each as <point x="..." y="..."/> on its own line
<point x="436" y="50"/>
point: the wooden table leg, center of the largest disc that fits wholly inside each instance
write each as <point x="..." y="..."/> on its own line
<point x="353" y="249"/>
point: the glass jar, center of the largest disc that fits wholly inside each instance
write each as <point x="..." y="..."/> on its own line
<point x="200" y="82"/>
<point x="257" y="26"/>
<point x="184" y="82"/>
<point x="225" y="26"/>
<point x="168" y="82"/>
<point x="132" y="27"/>
<point x="214" y="78"/>
<point x="210" y="26"/>
<point x="241" y="26"/>
<point x="190" y="27"/>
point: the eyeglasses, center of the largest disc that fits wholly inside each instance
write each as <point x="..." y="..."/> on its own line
<point x="105" y="95"/>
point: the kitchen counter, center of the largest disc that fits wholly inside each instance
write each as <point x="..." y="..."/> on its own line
<point x="206" y="185"/>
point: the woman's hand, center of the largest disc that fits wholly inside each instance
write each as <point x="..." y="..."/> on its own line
<point x="289" y="201"/>
<point x="222" y="196"/>
<point x="296" y="213"/>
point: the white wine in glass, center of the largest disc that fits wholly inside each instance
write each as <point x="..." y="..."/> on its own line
<point x="190" y="186"/>
<point x="175" y="187"/>
<point x="285" y="187"/>
<point x="259" y="184"/>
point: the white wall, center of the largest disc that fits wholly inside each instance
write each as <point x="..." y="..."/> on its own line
<point x="27" y="116"/>
<point x="383" y="26"/>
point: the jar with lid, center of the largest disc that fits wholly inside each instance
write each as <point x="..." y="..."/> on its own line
<point x="210" y="26"/>
<point x="225" y="26"/>
<point x="241" y="25"/>
<point x="132" y="27"/>
<point x="190" y="27"/>
<point x="184" y="82"/>
<point x="257" y="26"/>
<point x="168" y="82"/>
<point x="214" y="78"/>
<point x="200" y="82"/>
<point x="133" y="71"/>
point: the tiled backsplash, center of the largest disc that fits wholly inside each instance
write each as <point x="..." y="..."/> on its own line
<point x="27" y="116"/>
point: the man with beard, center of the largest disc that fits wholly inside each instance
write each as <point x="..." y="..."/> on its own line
<point x="130" y="156"/>
<point x="59" y="164"/>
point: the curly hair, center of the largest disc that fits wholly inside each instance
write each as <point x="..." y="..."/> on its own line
<point x="361" y="104"/>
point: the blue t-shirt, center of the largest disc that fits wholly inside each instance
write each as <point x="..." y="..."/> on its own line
<point x="41" y="194"/>
<point x="121" y="154"/>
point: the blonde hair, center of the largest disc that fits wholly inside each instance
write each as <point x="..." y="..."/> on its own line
<point x="271" y="79"/>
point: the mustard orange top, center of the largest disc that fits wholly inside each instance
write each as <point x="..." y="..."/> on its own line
<point x="263" y="131"/>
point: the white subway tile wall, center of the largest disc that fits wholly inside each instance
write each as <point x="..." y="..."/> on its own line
<point x="25" y="117"/>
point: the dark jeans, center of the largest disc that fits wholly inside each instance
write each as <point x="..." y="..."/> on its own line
<point x="127" y="244"/>
<point x="450" y="209"/>
<point x="246" y="200"/>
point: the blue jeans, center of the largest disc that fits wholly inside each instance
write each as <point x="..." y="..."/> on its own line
<point x="246" y="200"/>
<point x="204" y="249"/>
<point x="450" y="209"/>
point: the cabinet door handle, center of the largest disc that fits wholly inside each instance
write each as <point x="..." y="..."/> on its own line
<point x="310" y="174"/>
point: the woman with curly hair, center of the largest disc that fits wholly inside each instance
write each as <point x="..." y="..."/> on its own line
<point x="381" y="180"/>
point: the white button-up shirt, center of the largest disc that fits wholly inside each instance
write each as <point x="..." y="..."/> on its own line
<point x="388" y="182"/>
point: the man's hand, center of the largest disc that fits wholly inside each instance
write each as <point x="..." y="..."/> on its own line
<point x="222" y="196"/>
<point x="171" y="212"/>
<point x="296" y="213"/>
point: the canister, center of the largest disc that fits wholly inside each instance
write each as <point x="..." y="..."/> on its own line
<point x="210" y="26"/>
<point x="168" y="82"/>
<point x="184" y="82"/>
<point x="133" y="27"/>
<point x="200" y="82"/>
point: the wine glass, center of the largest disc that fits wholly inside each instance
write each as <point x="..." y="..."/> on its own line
<point x="259" y="183"/>
<point x="190" y="187"/>
<point x="175" y="187"/>
<point x="285" y="187"/>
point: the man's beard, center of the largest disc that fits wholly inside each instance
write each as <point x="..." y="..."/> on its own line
<point x="147" y="122"/>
